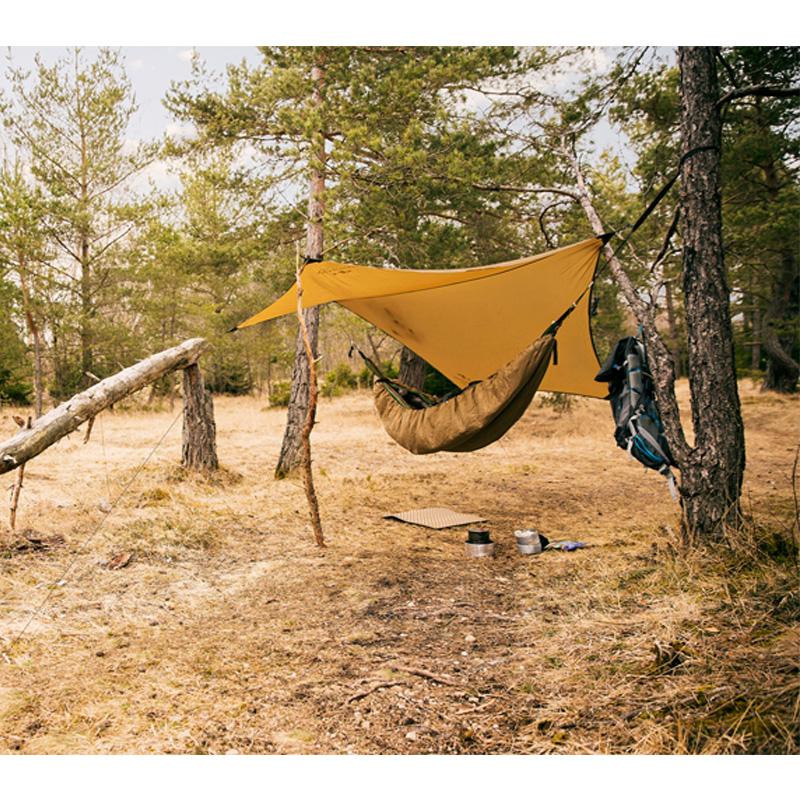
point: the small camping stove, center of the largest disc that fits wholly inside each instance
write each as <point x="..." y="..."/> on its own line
<point x="479" y="543"/>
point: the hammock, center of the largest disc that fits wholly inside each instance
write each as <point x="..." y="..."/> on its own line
<point x="476" y="417"/>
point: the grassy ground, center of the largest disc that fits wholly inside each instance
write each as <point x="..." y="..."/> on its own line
<point x="227" y="630"/>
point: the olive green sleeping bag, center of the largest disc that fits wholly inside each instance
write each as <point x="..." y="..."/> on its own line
<point x="476" y="417"/>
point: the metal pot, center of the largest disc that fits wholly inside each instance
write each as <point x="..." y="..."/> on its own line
<point x="479" y="543"/>
<point x="529" y="542"/>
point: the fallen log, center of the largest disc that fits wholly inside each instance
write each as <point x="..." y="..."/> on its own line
<point x="72" y="413"/>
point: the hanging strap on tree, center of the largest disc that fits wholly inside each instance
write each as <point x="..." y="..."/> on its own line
<point x="402" y="394"/>
<point x="662" y="193"/>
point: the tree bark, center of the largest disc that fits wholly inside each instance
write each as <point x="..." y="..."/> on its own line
<point x="290" y="455"/>
<point x="413" y="369"/>
<point x="87" y="351"/>
<point x="199" y="429"/>
<point x="308" y="425"/>
<point x="674" y="334"/>
<point x="712" y="471"/>
<point x="86" y="333"/>
<point x="70" y="415"/>
<point x="755" y="352"/>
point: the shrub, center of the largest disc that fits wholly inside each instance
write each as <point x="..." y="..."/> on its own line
<point x="279" y="393"/>
<point x="437" y="384"/>
<point x="13" y="389"/>
<point x="339" y="380"/>
<point x="560" y="403"/>
<point x="229" y="377"/>
<point x="365" y="377"/>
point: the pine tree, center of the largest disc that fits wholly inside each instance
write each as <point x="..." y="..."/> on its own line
<point x="23" y="254"/>
<point x="330" y="123"/>
<point x="70" y="121"/>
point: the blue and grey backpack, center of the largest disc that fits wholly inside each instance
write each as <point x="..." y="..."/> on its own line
<point x="633" y="404"/>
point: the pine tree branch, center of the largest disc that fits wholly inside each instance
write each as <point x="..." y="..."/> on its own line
<point x="761" y="90"/>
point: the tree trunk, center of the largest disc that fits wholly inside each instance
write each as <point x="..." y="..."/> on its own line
<point x="305" y="434"/>
<point x="674" y="333"/>
<point x="713" y="470"/>
<point x="70" y="415"/>
<point x="780" y="334"/>
<point x="33" y="329"/>
<point x="87" y="354"/>
<point x="199" y="430"/>
<point x="755" y="352"/>
<point x="413" y="369"/>
<point x="661" y="361"/>
<point x="291" y="448"/>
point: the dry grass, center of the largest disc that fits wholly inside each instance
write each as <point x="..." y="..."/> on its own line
<point x="228" y="630"/>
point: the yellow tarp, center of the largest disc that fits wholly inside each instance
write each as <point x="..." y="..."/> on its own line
<point x="469" y="323"/>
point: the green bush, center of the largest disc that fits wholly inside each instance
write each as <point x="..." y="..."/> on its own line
<point x="339" y="380"/>
<point x="437" y="384"/>
<point x="560" y="403"/>
<point x="365" y="377"/>
<point x="280" y="393"/>
<point x="229" y="376"/>
<point x="13" y="389"/>
<point x="14" y="366"/>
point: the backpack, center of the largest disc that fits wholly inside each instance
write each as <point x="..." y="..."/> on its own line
<point x="633" y="404"/>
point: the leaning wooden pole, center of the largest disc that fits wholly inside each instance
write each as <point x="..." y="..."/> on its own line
<point x="70" y="415"/>
<point x="311" y="412"/>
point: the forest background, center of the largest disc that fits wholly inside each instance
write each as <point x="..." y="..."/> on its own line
<point x="128" y="222"/>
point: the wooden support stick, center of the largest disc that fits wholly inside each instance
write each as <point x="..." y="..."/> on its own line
<point x="89" y="427"/>
<point x="15" y="492"/>
<point x="308" y="477"/>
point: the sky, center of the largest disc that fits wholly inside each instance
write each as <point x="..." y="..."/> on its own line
<point x="152" y="69"/>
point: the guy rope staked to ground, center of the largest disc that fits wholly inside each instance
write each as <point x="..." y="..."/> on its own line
<point x="203" y="619"/>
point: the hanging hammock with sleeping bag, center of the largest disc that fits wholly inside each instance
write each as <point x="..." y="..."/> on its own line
<point x="477" y="327"/>
<point x="476" y="416"/>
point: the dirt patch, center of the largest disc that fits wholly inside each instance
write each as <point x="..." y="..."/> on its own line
<point x="227" y="630"/>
